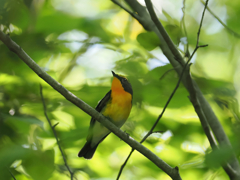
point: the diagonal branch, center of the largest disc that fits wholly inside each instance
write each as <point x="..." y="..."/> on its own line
<point x="124" y="164"/>
<point x="134" y="15"/>
<point x="193" y="98"/>
<point x="159" y="117"/>
<point x="186" y="67"/>
<point x="191" y="87"/>
<point x="55" y="134"/>
<point x="193" y="95"/>
<point x="153" y="24"/>
<point x="164" y="33"/>
<point x="184" y="29"/>
<point x="172" y="172"/>
<point x="11" y="174"/>
<point x="221" y="22"/>
<point x="177" y="65"/>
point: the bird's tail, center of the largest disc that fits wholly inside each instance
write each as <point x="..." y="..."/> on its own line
<point x="87" y="151"/>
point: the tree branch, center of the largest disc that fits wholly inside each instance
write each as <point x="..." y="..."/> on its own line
<point x="172" y="172"/>
<point x="193" y="98"/>
<point x="11" y="174"/>
<point x="134" y="15"/>
<point x="165" y="73"/>
<point x="177" y="64"/>
<point x="175" y="89"/>
<point x="148" y="24"/>
<point x="220" y="21"/>
<point x="158" y="119"/>
<point x="191" y="88"/>
<point x="55" y="134"/>
<point x="184" y="29"/>
<point x="124" y="164"/>
<point x="163" y="32"/>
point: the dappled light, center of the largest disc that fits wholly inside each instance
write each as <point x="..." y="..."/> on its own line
<point x="78" y="43"/>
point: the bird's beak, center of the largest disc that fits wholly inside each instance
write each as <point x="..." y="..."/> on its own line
<point x="114" y="74"/>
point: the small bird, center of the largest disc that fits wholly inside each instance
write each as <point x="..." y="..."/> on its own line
<point x="116" y="106"/>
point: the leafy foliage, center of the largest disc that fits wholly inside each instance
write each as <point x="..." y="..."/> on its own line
<point x="78" y="44"/>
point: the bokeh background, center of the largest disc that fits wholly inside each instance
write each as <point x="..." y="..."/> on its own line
<point x="78" y="43"/>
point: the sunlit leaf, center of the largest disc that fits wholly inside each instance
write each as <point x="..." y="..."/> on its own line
<point x="40" y="165"/>
<point x="148" y="40"/>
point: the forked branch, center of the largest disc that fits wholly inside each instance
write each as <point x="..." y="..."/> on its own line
<point x="172" y="172"/>
<point x="202" y="107"/>
<point x="55" y="134"/>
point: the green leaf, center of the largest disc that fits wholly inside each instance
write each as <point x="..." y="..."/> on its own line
<point x="148" y="40"/>
<point x="10" y="152"/>
<point x="39" y="165"/>
<point x="217" y="157"/>
<point x="25" y="119"/>
<point x="174" y="32"/>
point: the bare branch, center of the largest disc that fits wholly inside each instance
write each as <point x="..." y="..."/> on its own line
<point x="163" y="32"/>
<point x="220" y="21"/>
<point x="172" y="172"/>
<point x="137" y="16"/>
<point x="206" y="114"/>
<point x="149" y="25"/>
<point x="156" y="122"/>
<point x="55" y="125"/>
<point x="169" y="99"/>
<point x="159" y="117"/>
<point x="165" y="73"/>
<point x="55" y="134"/>
<point x="124" y="164"/>
<point x="134" y="15"/>
<point x="157" y="132"/>
<point x="177" y="65"/>
<point x="184" y="29"/>
<point x="193" y="98"/>
<point x="200" y="26"/>
<point x="11" y="174"/>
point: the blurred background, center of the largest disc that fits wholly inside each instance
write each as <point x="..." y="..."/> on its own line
<point x="79" y="43"/>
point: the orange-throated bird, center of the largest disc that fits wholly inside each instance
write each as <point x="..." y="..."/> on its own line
<point x="116" y="106"/>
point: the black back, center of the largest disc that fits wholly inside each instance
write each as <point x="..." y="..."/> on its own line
<point x="101" y="105"/>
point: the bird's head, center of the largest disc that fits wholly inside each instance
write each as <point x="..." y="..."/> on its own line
<point x="121" y="83"/>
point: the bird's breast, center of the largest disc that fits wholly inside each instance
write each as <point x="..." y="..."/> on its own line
<point x="118" y="109"/>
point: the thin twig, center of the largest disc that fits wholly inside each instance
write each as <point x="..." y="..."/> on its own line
<point x="157" y="132"/>
<point x="165" y="73"/>
<point x="55" y="134"/>
<point x="200" y="26"/>
<point x="11" y="174"/>
<point x="231" y="172"/>
<point x="221" y="22"/>
<point x="169" y="99"/>
<point x="184" y="29"/>
<point x="159" y="117"/>
<point x="55" y="125"/>
<point x="14" y="47"/>
<point x="163" y="32"/>
<point x="193" y="98"/>
<point x="211" y="118"/>
<point x="139" y="16"/>
<point x="228" y="169"/>
<point x="134" y="15"/>
<point x="124" y="164"/>
<point x="193" y="95"/>
<point x="177" y="62"/>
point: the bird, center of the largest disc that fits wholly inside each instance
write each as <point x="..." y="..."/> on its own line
<point x="116" y="107"/>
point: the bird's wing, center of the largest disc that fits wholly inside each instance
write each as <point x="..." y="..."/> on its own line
<point x="101" y="105"/>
